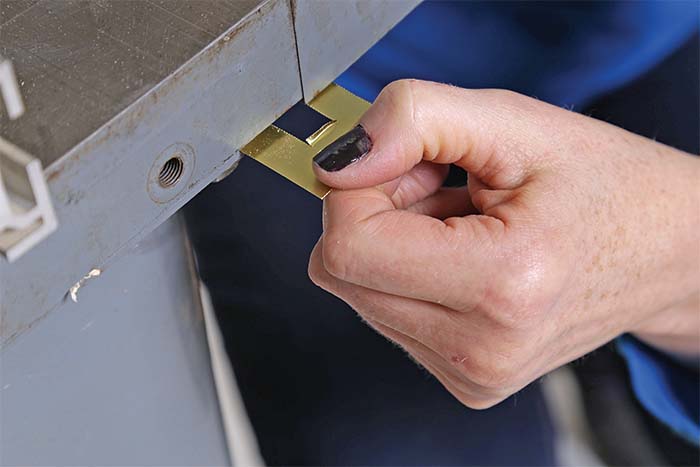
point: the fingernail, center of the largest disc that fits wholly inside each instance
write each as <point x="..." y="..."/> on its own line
<point x="349" y="148"/>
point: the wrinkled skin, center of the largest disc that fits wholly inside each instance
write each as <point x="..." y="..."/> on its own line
<point x="569" y="233"/>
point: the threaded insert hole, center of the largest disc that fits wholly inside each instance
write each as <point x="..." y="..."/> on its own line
<point x="171" y="172"/>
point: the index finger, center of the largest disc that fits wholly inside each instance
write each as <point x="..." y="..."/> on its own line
<point x="369" y="243"/>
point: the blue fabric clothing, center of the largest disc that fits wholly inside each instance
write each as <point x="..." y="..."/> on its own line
<point x="668" y="388"/>
<point x="564" y="53"/>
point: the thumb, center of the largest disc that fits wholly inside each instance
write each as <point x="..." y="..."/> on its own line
<point x="495" y="135"/>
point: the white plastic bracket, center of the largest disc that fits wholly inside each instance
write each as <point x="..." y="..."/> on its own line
<point x="10" y="90"/>
<point x="26" y="212"/>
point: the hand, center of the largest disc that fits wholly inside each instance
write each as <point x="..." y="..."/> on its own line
<point x="569" y="233"/>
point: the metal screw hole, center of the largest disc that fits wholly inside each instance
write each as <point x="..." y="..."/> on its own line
<point x="171" y="172"/>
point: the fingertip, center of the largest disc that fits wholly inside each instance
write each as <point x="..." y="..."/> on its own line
<point x="346" y="150"/>
<point x="374" y="152"/>
<point x="374" y="168"/>
<point x="358" y="175"/>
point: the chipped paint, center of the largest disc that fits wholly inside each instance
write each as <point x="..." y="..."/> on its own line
<point x="73" y="291"/>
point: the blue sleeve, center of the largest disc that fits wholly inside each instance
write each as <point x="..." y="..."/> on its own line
<point x="566" y="53"/>
<point x="668" y="389"/>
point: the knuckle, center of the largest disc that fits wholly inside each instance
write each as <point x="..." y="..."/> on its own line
<point x="503" y="304"/>
<point x="403" y="98"/>
<point x="316" y="274"/>
<point x="312" y="272"/>
<point x="399" y="89"/>
<point x="477" y="403"/>
<point x="466" y="399"/>
<point x="519" y="298"/>
<point x="474" y="398"/>
<point x="493" y="372"/>
<point x="508" y="98"/>
<point x="481" y="403"/>
<point x="409" y="102"/>
<point x="337" y="257"/>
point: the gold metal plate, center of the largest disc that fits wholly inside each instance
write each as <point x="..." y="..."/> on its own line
<point x="292" y="157"/>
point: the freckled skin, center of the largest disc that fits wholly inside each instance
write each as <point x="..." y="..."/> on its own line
<point x="569" y="233"/>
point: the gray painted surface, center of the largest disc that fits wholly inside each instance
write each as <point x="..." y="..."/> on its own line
<point x="209" y="106"/>
<point x="213" y="104"/>
<point x="80" y="62"/>
<point x="122" y="377"/>
<point x="331" y="35"/>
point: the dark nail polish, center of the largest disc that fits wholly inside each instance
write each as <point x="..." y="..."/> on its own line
<point x="349" y="148"/>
